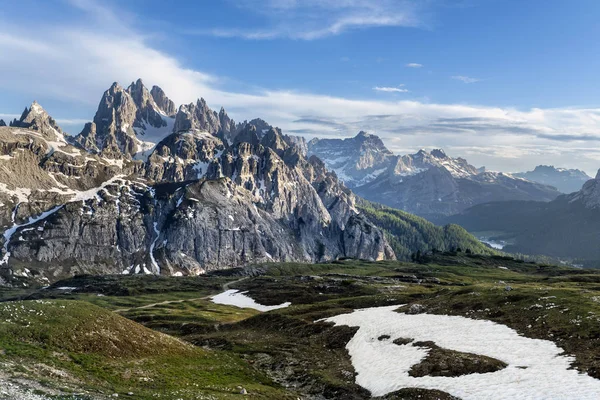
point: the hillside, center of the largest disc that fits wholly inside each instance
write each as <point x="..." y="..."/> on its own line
<point x="409" y="234"/>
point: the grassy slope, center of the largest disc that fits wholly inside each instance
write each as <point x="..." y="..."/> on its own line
<point x="63" y="343"/>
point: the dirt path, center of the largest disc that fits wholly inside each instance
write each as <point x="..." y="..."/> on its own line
<point x="225" y="287"/>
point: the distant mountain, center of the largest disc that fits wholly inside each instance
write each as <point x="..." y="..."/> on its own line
<point x="565" y="180"/>
<point x="356" y="160"/>
<point x="429" y="184"/>
<point x="569" y="226"/>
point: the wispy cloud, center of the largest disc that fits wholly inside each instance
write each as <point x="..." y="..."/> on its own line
<point x="465" y="79"/>
<point x="398" y="89"/>
<point x="315" y="19"/>
<point x="498" y="137"/>
<point x="414" y="65"/>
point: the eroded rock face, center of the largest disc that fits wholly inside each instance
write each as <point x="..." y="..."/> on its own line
<point x="208" y="195"/>
<point x="589" y="194"/>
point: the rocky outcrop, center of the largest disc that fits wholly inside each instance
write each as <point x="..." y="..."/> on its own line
<point x="589" y="195"/>
<point x="297" y="141"/>
<point x="2" y="123"/>
<point x="35" y="118"/>
<point x="199" y="117"/>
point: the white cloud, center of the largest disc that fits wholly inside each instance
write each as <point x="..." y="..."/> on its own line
<point x="398" y="89"/>
<point x="77" y="63"/>
<point x="315" y="19"/>
<point x="465" y="79"/>
<point x="414" y="65"/>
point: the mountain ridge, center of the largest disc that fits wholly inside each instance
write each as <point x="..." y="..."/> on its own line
<point x="430" y="184"/>
<point x="565" y="180"/>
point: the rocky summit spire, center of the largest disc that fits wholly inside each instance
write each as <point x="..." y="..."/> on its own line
<point x="37" y="119"/>
<point x="162" y="101"/>
<point x="2" y="123"/>
<point x="128" y="120"/>
<point x="114" y="121"/>
<point x="148" y="113"/>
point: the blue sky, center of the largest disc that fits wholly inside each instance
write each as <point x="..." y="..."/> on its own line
<point x="506" y="84"/>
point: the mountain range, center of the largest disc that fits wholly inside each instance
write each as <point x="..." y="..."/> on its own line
<point x="429" y="184"/>
<point x="565" y="180"/>
<point x="150" y="188"/>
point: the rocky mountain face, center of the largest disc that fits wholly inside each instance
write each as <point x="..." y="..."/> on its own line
<point x="565" y="180"/>
<point x="429" y="184"/>
<point x="568" y="226"/>
<point x="205" y="193"/>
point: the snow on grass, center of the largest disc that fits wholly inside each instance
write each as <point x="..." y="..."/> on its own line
<point x="536" y="369"/>
<point x="236" y="298"/>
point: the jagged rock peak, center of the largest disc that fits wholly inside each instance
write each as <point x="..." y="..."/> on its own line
<point x="36" y="118"/>
<point x="438" y="153"/>
<point x="200" y="117"/>
<point x="2" y="123"/>
<point x="128" y="121"/>
<point x="138" y="91"/>
<point x="597" y="175"/>
<point x="274" y="140"/>
<point x="162" y="101"/>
